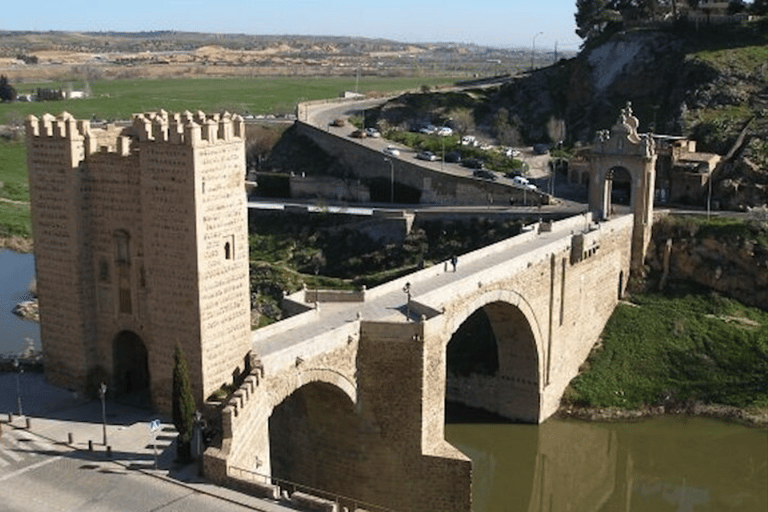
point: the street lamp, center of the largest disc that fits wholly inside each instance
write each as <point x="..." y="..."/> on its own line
<point x="533" y="47"/>
<point x="19" y="371"/>
<point x="102" y="395"/>
<point x="391" y="180"/>
<point x="407" y="291"/>
<point x="442" y="143"/>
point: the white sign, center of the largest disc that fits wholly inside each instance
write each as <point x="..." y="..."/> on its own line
<point x="154" y="425"/>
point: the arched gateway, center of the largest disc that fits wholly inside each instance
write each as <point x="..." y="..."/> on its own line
<point x="130" y="373"/>
<point x="622" y="155"/>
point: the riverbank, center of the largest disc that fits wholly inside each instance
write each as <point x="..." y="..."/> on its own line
<point x="689" y="351"/>
<point x="17" y="244"/>
<point x="743" y="416"/>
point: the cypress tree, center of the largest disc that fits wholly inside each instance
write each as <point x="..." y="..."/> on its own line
<point x="183" y="402"/>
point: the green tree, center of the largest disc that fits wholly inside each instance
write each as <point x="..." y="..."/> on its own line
<point x="183" y="402"/>
<point x="759" y="7"/>
<point x="593" y="17"/>
<point x="7" y="92"/>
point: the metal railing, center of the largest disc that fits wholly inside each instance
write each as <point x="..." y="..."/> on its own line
<point x="246" y="475"/>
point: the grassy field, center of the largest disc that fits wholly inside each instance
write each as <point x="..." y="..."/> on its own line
<point x="118" y="99"/>
<point x="678" y="348"/>
<point x="14" y="190"/>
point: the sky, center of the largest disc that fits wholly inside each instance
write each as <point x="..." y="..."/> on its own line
<point x="497" y="23"/>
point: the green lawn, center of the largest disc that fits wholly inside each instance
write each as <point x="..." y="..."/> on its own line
<point x="118" y="99"/>
<point x="675" y="349"/>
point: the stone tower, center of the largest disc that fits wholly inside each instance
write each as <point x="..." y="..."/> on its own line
<point x="140" y="242"/>
<point x="622" y="150"/>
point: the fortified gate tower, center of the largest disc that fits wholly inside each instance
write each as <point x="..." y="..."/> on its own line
<point x="140" y="242"/>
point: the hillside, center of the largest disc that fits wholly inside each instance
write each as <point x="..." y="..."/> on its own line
<point x="708" y="84"/>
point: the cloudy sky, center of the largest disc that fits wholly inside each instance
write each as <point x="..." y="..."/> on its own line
<point x="486" y="22"/>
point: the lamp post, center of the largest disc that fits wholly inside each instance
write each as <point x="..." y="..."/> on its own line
<point x="407" y="291"/>
<point x="442" y="144"/>
<point x="19" y="371"/>
<point x="102" y="395"/>
<point x="533" y="47"/>
<point x="391" y="180"/>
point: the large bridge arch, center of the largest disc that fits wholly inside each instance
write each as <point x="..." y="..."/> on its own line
<point x="315" y="437"/>
<point x="514" y="388"/>
<point x="295" y="380"/>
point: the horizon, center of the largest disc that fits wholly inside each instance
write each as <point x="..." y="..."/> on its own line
<point x="548" y="24"/>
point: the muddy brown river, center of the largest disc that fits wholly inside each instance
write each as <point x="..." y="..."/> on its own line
<point x="671" y="463"/>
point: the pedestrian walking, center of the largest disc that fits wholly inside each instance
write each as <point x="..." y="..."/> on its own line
<point x="454" y="261"/>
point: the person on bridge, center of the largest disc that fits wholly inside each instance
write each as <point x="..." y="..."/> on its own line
<point x="454" y="261"/>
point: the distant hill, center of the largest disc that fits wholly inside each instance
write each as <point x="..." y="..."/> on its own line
<point x="55" y="55"/>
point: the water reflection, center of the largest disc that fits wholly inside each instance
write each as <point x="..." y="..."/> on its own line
<point x="663" y="464"/>
<point x="16" y="273"/>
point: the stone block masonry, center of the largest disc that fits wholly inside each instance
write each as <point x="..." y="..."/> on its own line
<point x="141" y="242"/>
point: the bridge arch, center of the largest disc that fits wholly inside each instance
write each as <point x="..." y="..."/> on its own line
<point x="312" y="433"/>
<point x="513" y="388"/>
<point x="296" y="380"/>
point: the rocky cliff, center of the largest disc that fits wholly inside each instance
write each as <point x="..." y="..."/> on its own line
<point x="729" y="256"/>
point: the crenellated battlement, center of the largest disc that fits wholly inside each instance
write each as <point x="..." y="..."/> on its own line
<point x="183" y="128"/>
<point x="187" y="128"/>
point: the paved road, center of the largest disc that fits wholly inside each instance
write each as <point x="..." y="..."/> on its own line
<point x="39" y="470"/>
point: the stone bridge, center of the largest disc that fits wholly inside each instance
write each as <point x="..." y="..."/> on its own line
<point x="348" y="394"/>
<point x="146" y="246"/>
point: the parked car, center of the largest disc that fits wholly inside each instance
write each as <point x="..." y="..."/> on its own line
<point x="392" y="150"/>
<point x="338" y="122"/>
<point x="483" y="174"/>
<point x="541" y="149"/>
<point x="358" y="134"/>
<point x="453" y="156"/>
<point x="427" y="155"/>
<point x="372" y="132"/>
<point x="473" y="163"/>
<point x="512" y="153"/>
<point x="444" y="131"/>
<point x="468" y="140"/>
<point x="519" y="180"/>
<point x="428" y="129"/>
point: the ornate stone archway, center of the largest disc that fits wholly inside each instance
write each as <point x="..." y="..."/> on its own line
<point x="623" y="147"/>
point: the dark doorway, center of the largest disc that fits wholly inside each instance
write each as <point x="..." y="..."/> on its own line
<point x="621" y="186"/>
<point x="130" y="370"/>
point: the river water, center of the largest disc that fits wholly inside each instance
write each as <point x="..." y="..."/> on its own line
<point x="663" y="464"/>
<point x="17" y="271"/>
<point x="668" y="463"/>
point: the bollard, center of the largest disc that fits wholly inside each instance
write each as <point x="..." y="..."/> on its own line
<point x="10" y="418"/>
<point x="90" y="445"/>
<point x="70" y="438"/>
<point x="109" y="452"/>
<point x="28" y="423"/>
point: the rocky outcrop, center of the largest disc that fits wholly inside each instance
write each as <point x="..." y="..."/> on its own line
<point x="731" y="261"/>
<point x="27" y="310"/>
